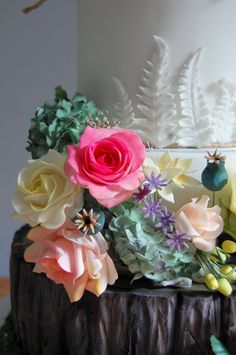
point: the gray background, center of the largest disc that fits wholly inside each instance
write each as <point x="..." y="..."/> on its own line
<point x="38" y="52"/>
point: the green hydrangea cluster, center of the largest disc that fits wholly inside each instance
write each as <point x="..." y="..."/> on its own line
<point x="146" y="252"/>
<point x="60" y="122"/>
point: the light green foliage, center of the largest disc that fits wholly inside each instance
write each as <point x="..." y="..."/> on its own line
<point x="60" y="122"/>
<point x="145" y="250"/>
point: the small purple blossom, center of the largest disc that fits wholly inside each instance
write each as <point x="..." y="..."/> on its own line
<point x="156" y="182"/>
<point x="151" y="207"/>
<point x="177" y="241"/>
<point x="143" y="191"/>
<point x="166" y="221"/>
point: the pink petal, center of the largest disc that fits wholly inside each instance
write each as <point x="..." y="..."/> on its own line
<point x="92" y="135"/>
<point x="135" y="146"/>
<point x="132" y="181"/>
<point x="111" y="200"/>
<point x="72" y="153"/>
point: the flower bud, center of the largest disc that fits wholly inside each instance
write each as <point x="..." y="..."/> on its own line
<point x="219" y="256"/>
<point x="211" y="282"/>
<point x="229" y="246"/>
<point x="226" y="269"/>
<point x="224" y="287"/>
<point x="214" y="176"/>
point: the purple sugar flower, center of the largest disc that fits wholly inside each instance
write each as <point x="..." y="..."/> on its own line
<point x="151" y="207"/>
<point x="142" y="192"/>
<point x="166" y="221"/>
<point x="177" y="241"/>
<point x="156" y="182"/>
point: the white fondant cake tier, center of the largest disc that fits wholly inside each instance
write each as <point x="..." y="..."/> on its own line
<point x="179" y="97"/>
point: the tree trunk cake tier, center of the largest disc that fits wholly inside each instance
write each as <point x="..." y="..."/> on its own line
<point x="131" y="206"/>
<point x="126" y="319"/>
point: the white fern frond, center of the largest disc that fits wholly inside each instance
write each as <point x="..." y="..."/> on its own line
<point x="194" y="123"/>
<point x="123" y="109"/>
<point x="231" y="123"/>
<point x="222" y="120"/>
<point x="156" y="102"/>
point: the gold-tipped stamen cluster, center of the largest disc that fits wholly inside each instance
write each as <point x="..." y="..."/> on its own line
<point x="96" y="122"/>
<point x="87" y="221"/>
<point x="215" y="157"/>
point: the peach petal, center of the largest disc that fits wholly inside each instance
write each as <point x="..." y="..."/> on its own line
<point x="203" y="244"/>
<point x="39" y="233"/>
<point x="112" y="274"/>
<point x="79" y="267"/>
<point x="183" y="225"/>
<point x="66" y="259"/>
<point x="94" y="265"/>
<point x="39" y="269"/>
<point x="99" y="285"/>
<point x="76" y="290"/>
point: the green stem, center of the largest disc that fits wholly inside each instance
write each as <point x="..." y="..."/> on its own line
<point x="213" y="198"/>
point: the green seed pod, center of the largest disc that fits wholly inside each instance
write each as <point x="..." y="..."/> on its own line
<point x="214" y="176"/>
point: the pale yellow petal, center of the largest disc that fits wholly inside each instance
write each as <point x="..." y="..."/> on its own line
<point x="164" y="160"/>
<point x="187" y="180"/>
<point x="150" y="166"/>
<point x="167" y="194"/>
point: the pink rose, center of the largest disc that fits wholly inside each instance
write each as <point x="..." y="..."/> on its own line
<point x="108" y="162"/>
<point x="70" y="258"/>
<point x="200" y="223"/>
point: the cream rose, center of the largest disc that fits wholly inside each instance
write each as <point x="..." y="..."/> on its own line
<point x="44" y="194"/>
<point x="202" y="224"/>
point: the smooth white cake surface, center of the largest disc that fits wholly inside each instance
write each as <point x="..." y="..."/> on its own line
<point x="115" y="39"/>
<point x="187" y="97"/>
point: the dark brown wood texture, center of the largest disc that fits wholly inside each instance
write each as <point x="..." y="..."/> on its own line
<point x="122" y="321"/>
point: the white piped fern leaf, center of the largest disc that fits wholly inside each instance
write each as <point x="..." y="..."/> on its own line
<point x="156" y="101"/>
<point x="194" y="123"/>
<point x="223" y="117"/>
<point x="231" y="87"/>
<point x="123" y="108"/>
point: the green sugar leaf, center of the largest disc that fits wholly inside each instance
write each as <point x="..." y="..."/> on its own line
<point x="217" y="347"/>
<point x="60" y="94"/>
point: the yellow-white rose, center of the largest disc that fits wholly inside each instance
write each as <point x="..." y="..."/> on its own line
<point x="44" y="194"/>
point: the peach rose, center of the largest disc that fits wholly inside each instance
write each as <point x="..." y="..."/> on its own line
<point x="67" y="256"/>
<point x="108" y="162"/>
<point x="199" y="222"/>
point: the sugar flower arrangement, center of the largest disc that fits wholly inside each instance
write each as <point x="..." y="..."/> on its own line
<point x="91" y="191"/>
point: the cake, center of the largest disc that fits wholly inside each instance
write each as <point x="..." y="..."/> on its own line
<point x="105" y="209"/>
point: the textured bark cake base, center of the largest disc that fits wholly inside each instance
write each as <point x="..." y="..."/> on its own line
<point x="121" y="321"/>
